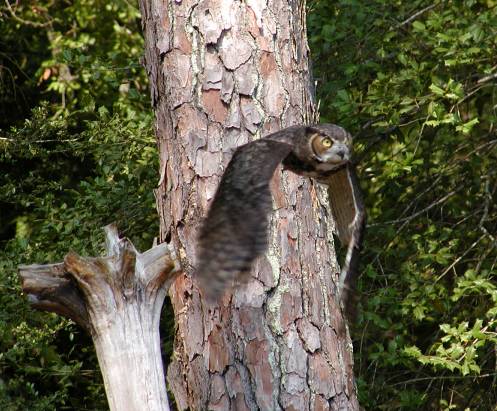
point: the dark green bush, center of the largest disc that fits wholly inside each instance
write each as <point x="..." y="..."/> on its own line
<point x="416" y="82"/>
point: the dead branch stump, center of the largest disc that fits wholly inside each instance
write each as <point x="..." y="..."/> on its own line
<point x="117" y="299"/>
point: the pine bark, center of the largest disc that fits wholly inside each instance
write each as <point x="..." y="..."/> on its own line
<point x="223" y="73"/>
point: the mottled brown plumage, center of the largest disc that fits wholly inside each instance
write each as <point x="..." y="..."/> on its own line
<point x="234" y="233"/>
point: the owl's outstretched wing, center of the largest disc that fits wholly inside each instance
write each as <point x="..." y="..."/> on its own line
<point x="234" y="232"/>
<point x="350" y="217"/>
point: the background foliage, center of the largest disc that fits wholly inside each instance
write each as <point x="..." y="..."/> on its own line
<point x="77" y="152"/>
<point x="415" y="81"/>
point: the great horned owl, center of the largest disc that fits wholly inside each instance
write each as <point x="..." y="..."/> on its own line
<point x="234" y="233"/>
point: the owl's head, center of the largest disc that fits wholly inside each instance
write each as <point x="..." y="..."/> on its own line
<point x="330" y="145"/>
<point x="316" y="150"/>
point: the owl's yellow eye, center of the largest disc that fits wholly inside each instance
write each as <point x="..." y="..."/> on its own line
<point x="321" y="144"/>
<point x="326" y="142"/>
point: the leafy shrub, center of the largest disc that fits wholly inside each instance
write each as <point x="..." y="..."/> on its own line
<point x="416" y="82"/>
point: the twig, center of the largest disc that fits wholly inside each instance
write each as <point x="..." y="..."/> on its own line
<point x="487" y="78"/>
<point x="69" y="140"/>
<point x="26" y="22"/>
<point x="444" y="377"/>
<point x="412" y="216"/>
<point x="417" y="14"/>
<point x="488" y="200"/>
<point x="450" y="267"/>
<point x="418" y="197"/>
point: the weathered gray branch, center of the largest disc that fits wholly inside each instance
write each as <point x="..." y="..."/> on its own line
<point x="118" y="299"/>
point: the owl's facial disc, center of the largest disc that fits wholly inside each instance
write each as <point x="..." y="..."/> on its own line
<point x="328" y="151"/>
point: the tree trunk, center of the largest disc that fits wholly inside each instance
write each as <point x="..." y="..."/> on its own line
<point x="223" y="73"/>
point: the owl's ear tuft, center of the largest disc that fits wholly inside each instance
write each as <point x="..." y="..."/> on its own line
<point x="310" y="131"/>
